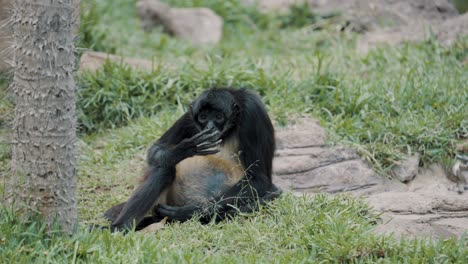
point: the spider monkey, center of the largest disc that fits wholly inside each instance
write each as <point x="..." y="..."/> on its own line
<point x="216" y="160"/>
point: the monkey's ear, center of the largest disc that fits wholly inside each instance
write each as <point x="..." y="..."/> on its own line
<point x="191" y="108"/>
<point x="235" y="107"/>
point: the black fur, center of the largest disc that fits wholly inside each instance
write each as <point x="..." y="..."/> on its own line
<point x="248" y="121"/>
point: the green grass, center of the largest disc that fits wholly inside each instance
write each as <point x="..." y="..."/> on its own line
<point x="292" y="229"/>
<point x="389" y="103"/>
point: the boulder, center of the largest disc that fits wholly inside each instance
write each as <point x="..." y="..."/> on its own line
<point x="197" y="25"/>
<point x="304" y="163"/>
<point x="405" y="170"/>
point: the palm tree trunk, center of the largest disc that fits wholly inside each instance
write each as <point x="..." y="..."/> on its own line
<point x="44" y="129"/>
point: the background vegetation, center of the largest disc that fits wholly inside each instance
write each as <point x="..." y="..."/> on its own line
<point x="388" y="103"/>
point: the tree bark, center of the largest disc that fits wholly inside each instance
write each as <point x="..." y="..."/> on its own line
<point x="44" y="129"/>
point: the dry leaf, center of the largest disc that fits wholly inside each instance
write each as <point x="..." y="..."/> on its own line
<point x="154" y="227"/>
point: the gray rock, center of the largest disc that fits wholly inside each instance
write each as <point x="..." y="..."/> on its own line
<point x="346" y="176"/>
<point x="451" y="29"/>
<point x="392" y="22"/>
<point x="197" y="25"/>
<point x="387" y="13"/>
<point x="447" y="32"/>
<point x="422" y="214"/>
<point x="304" y="163"/>
<point x="405" y="170"/>
<point x="290" y="161"/>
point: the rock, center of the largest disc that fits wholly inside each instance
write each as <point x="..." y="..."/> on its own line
<point x="406" y="170"/>
<point x="391" y="37"/>
<point x="416" y="215"/>
<point x="434" y="226"/>
<point x="290" y="161"/>
<point x="433" y="178"/>
<point x="387" y="13"/>
<point x="429" y="208"/>
<point x="346" y="176"/>
<point x="304" y="163"/>
<point x="197" y="25"/>
<point x="92" y="61"/>
<point x="418" y="202"/>
<point x="152" y="13"/>
<point x="451" y="29"/>
<point x="392" y="22"/>
<point x="459" y="173"/>
<point x="447" y="33"/>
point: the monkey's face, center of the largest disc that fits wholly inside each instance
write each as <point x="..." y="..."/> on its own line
<point x="216" y="110"/>
<point x="210" y="119"/>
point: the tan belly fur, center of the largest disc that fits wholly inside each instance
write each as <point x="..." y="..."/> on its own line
<point x="199" y="178"/>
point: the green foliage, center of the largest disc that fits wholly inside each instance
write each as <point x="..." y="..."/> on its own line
<point x="90" y="35"/>
<point x="291" y="229"/>
<point x="301" y="15"/>
<point x="395" y="102"/>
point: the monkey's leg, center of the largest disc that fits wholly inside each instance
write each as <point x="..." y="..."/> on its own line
<point x="221" y="209"/>
<point x="144" y="197"/>
<point x="248" y="206"/>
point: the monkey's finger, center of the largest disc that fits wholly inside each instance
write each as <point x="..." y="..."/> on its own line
<point x="207" y="145"/>
<point x="207" y="137"/>
<point x="200" y="134"/>
<point x="207" y="152"/>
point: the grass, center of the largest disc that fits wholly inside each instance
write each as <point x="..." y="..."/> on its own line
<point x="292" y="229"/>
<point x="388" y="103"/>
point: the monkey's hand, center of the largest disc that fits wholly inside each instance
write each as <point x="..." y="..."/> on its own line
<point x="200" y="144"/>
<point x="160" y="155"/>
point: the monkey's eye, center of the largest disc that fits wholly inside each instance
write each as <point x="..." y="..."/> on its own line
<point x="219" y="117"/>
<point x="202" y="117"/>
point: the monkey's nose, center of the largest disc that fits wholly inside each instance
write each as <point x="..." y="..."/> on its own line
<point x="210" y="125"/>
